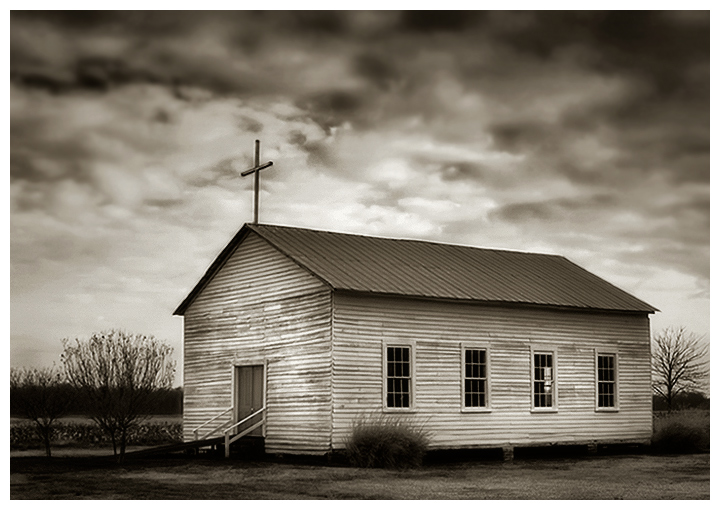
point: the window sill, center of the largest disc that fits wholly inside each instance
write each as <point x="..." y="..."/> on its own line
<point x="607" y="410"/>
<point x="400" y="410"/>
<point x="480" y="410"/>
<point x="549" y="410"/>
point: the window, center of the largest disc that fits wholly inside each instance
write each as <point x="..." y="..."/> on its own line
<point x="475" y="379"/>
<point x="398" y="377"/>
<point x="606" y="381"/>
<point x="543" y="380"/>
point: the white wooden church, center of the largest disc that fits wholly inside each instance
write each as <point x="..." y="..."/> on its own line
<point x="298" y="333"/>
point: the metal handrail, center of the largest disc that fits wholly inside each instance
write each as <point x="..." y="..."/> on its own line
<point x="229" y="441"/>
<point x="208" y="422"/>
<point x="249" y="417"/>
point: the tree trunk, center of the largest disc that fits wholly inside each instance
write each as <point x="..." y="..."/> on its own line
<point x="43" y="432"/>
<point x="114" y="443"/>
<point x="47" y="444"/>
<point x="46" y="439"/>
<point x="123" y="442"/>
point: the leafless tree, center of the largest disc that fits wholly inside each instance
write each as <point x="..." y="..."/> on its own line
<point x="679" y="363"/>
<point x="120" y="373"/>
<point x="38" y="395"/>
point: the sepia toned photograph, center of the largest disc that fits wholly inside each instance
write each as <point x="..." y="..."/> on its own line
<point x="394" y="255"/>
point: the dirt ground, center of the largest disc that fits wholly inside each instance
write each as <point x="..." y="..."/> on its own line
<point x="179" y="477"/>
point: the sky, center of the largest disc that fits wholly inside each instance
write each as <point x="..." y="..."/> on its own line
<point x="583" y="134"/>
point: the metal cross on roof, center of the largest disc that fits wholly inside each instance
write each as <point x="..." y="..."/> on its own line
<point x="256" y="170"/>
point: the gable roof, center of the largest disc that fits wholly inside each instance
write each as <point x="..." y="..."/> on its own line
<point x="412" y="268"/>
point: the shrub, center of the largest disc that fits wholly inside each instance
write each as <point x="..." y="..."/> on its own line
<point x="681" y="432"/>
<point x="386" y="443"/>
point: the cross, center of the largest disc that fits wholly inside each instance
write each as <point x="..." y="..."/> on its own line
<point x="256" y="170"/>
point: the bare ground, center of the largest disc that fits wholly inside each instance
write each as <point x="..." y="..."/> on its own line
<point x="599" y="477"/>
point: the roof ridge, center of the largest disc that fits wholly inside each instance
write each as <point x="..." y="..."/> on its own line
<point x="406" y="240"/>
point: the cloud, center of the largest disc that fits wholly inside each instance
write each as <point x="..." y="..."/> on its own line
<point x="585" y="134"/>
<point x="440" y="21"/>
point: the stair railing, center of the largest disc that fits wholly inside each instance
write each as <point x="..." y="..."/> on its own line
<point x="208" y="422"/>
<point x="244" y="432"/>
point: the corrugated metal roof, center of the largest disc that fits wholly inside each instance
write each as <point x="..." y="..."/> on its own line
<point x="435" y="270"/>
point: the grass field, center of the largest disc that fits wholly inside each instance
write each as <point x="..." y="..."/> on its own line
<point x="78" y="472"/>
<point x="598" y="477"/>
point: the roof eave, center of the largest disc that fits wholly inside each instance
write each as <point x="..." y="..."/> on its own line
<point x="650" y="309"/>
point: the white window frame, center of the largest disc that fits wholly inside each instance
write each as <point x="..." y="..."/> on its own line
<point x="472" y="346"/>
<point x="406" y="345"/>
<point x="544" y="350"/>
<point x="616" y="398"/>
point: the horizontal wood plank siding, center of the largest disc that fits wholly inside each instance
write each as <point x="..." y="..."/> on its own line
<point x="362" y="323"/>
<point x="261" y="307"/>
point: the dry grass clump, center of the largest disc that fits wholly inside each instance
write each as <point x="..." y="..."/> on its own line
<point x="386" y="442"/>
<point x="681" y="432"/>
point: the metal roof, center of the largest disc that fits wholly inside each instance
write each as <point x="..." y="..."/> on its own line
<point x="434" y="270"/>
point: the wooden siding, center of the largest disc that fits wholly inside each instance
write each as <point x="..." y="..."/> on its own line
<point x="262" y="308"/>
<point x="437" y="329"/>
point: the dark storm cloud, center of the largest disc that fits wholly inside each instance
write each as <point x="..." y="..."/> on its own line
<point x="249" y="124"/>
<point x="162" y="203"/>
<point x="30" y="148"/>
<point x="91" y="73"/>
<point x="440" y="21"/>
<point x="318" y="152"/>
<point x="156" y="23"/>
<point x="516" y="136"/>
<point x="317" y="22"/>
<point x="462" y="170"/>
<point x="659" y="51"/>
<point x="223" y="170"/>
<point x="662" y="40"/>
<point x="552" y="209"/>
<point x="660" y="58"/>
<point x="377" y="69"/>
<point x="332" y="108"/>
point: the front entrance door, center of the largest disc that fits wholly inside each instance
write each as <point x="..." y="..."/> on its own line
<point x="249" y="391"/>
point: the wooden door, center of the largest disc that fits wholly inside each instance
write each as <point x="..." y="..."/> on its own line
<point x="249" y="394"/>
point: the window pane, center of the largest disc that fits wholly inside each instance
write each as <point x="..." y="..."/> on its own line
<point x="475" y="378"/>
<point x="398" y="377"/>
<point x="606" y="381"/>
<point x="544" y="380"/>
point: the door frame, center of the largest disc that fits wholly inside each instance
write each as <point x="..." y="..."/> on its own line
<point x="233" y="388"/>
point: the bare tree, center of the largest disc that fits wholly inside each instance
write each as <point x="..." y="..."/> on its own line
<point x="120" y="373"/>
<point x="38" y="395"/>
<point x="679" y="363"/>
